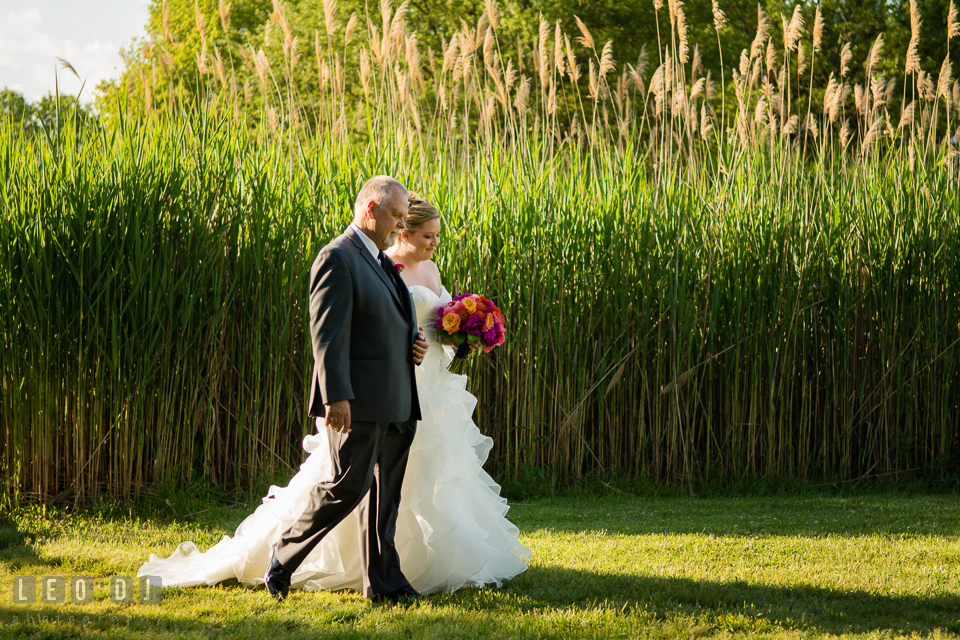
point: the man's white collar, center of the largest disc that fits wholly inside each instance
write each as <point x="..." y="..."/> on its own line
<point x="367" y="242"/>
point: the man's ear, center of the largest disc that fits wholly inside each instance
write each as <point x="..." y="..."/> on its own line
<point x="371" y="207"/>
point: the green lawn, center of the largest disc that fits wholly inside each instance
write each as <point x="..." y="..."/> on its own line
<point x="874" y="566"/>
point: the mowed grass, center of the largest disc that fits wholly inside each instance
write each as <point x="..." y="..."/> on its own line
<point x="798" y="566"/>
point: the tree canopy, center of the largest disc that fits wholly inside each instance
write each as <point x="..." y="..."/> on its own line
<point x="188" y="43"/>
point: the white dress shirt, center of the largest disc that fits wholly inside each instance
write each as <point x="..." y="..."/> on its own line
<point x="367" y="242"/>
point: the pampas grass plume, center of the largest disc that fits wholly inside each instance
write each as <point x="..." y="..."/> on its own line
<point x="845" y="132"/>
<point x="719" y="18"/>
<point x="201" y="24"/>
<point x="913" y="58"/>
<point x="365" y="70"/>
<point x="585" y="39"/>
<point x="682" y="33"/>
<point x="888" y="92"/>
<point x="69" y="67"/>
<point x="489" y="43"/>
<point x="523" y="95"/>
<point x="637" y="80"/>
<point x="544" y="55"/>
<point x="452" y="53"/>
<point x="906" y="118"/>
<point x="874" y="55"/>
<point x="846" y="56"/>
<point x="763" y="27"/>
<point x="165" y="19"/>
<point x="594" y="85"/>
<point x="558" y="58"/>
<point x="224" y="8"/>
<point x="493" y="16"/>
<point x="794" y="29"/>
<point x="872" y="134"/>
<point x="351" y="28"/>
<point x="943" y="82"/>
<point x="642" y="60"/>
<point x="573" y="69"/>
<point x="953" y="25"/>
<point x="817" y="30"/>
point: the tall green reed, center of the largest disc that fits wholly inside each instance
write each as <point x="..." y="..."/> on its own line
<point x="690" y="299"/>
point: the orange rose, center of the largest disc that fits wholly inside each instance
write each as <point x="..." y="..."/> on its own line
<point x="469" y="304"/>
<point x="451" y="323"/>
<point x="489" y="323"/>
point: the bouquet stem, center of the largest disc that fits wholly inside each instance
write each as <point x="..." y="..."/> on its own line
<point x="459" y="363"/>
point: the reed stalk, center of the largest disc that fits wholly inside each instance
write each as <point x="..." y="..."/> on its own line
<point x="690" y="300"/>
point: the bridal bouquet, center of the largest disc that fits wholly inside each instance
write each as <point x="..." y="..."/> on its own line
<point x="469" y="320"/>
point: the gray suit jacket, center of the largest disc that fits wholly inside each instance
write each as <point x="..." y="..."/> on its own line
<point x="363" y="327"/>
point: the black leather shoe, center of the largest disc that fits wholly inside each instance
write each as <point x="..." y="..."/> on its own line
<point x="406" y="594"/>
<point x="277" y="579"/>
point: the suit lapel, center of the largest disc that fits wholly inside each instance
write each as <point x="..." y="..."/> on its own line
<point x="398" y="286"/>
<point x="372" y="262"/>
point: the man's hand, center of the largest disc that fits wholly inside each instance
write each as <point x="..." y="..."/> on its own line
<point x="338" y="416"/>
<point x="420" y="347"/>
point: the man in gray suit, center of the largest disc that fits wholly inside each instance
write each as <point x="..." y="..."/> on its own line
<point x="365" y="343"/>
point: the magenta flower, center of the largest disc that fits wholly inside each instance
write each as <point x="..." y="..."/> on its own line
<point x="478" y="316"/>
<point x="473" y="325"/>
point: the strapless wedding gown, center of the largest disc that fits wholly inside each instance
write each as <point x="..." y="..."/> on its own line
<point x="451" y="527"/>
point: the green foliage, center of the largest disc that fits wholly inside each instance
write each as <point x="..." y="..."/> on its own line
<point x="49" y="114"/>
<point x="168" y="59"/>
<point x="694" y="327"/>
<point x="14" y="109"/>
<point x="701" y="288"/>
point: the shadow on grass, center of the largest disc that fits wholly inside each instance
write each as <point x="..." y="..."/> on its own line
<point x="49" y="621"/>
<point x="20" y="558"/>
<point x="797" y="607"/>
<point x="533" y="603"/>
<point x="10" y="535"/>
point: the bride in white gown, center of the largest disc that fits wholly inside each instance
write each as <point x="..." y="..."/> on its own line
<point x="451" y="527"/>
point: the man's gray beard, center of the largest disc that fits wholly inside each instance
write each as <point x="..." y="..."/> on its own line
<point x="390" y="240"/>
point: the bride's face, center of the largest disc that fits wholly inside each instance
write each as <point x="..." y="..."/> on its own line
<point x="422" y="242"/>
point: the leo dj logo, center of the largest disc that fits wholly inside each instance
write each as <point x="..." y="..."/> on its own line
<point x="80" y="589"/>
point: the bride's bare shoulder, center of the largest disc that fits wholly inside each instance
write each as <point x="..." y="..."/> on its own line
<point x="434" y="272"/>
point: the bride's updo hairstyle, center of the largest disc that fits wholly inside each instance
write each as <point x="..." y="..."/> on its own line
<point x="419" y="212"/>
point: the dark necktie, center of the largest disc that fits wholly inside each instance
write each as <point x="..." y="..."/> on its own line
<point x="389" y="270"/>
<point x="382" y="259"/>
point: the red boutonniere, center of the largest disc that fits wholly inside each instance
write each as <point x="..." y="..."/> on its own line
<point x="399" y="268"/>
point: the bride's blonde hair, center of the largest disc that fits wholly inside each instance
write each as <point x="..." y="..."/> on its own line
<point x="419" y="212"/>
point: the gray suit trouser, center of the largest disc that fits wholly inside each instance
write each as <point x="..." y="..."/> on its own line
<point x="369" y="462"/>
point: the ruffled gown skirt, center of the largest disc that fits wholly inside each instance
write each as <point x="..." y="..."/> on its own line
<point x="451" y="527"/>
